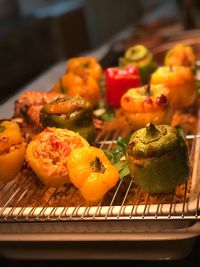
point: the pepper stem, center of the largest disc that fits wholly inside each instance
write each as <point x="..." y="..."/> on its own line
<point x="148" y="91"/>
<point x="151" y="131"/>
<point x="97" y="165"/>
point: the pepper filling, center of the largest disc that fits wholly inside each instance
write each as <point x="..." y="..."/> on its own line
<point x="97" y="165"/>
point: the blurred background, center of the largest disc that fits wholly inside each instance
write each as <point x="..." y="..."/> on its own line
<point x="36" y="34"/>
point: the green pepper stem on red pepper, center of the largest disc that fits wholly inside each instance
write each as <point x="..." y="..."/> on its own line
<point x="73" y="113"/>
<point x="118" y="81"/>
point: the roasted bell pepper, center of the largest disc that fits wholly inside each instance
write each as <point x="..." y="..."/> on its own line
<point x="79" y="82"/>
<point x="147" y="104"/>
<point x="118" y="81"/>
<point x="139" y="56"/>
<point x="73" y="113"/>
<point x="12" y="150"/>
<point x="180" y="55"/>
<point x="181" y="83"/>
<point x="88" y="64"/>
<point x="158" y="159"/>
<point x="91" y="172"/>
<point x="48" y="152"/>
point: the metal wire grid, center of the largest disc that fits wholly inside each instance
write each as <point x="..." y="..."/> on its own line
<point x="12" y="194"/>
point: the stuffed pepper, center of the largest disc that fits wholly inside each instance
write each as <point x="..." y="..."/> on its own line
<point x="147" y="104"/>
<point x="88" y="64"/>
<point x="73" y="113"/>
<point x="140" y="56"/>
<point x="118" y="81"/>
<point x="79" y="82"/>
<point x="181" y="55"/>
<point x="48" y="152"/>
<point x="181" y="83"/>
<point x="91" y="172"/>
<point x="158" y="159"/>
<point x="12" y="150"/>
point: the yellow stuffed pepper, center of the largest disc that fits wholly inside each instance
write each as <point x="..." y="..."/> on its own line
<point x="48" y="152"/>
<point x="91" y="172"/>
<point x="12" y="150"/>
<point x="79" y="83"/>
<point x="181" y="83"/>
<point x="181" y="55"/>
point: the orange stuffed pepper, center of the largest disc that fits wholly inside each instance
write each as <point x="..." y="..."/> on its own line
<point x="147" y="104"/>
<point x="89" y="64"/>
<point x="79" y="83"/>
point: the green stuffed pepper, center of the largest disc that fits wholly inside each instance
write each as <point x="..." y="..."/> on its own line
<point x="139" y="56"/>
<point x="72" y="113"/>
<point x="157" y="158"/>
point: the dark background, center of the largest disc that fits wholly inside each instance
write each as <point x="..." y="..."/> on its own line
<point x="35" y="34"/>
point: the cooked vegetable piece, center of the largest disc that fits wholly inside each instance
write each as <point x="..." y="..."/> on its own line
<point x="158" y="159"/>
<point x="79" y="82"/>
<point x="91" y="172"/>
<point x="118" y="81"/>
<point x="139" y="56"/>
<point x="48" y="153"/>
<point x="12" y="150"/>
<point x="147" y="104"/>
<point x="88" y="64"/>
<point x="180" y="55"/>
<point x="72" y="113"/>
<point x="181" y="83"/>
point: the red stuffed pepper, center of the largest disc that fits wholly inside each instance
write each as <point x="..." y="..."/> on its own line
<point x="118" y="81"/>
